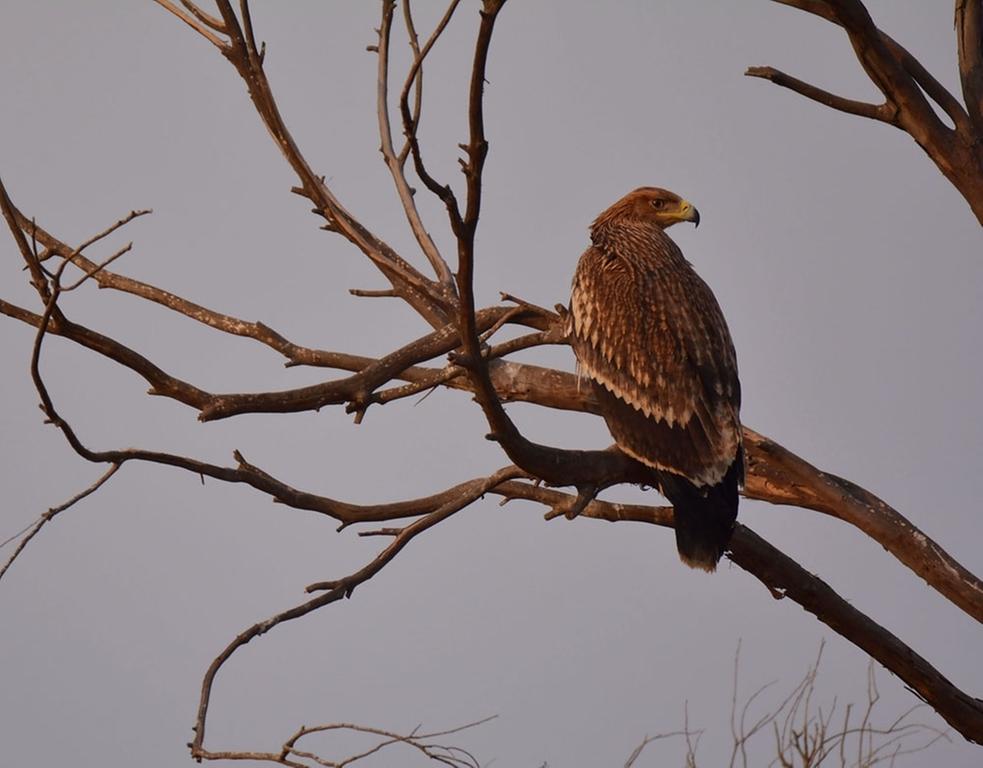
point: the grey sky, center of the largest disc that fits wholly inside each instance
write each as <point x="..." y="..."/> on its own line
<point x="848" y="268"/>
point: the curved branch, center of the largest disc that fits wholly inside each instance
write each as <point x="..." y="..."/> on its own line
<point x="492" y="317"/>
<point x="411" y="122"/>
<point x="969" y="34"/>
<point x="394" y="164"/>
<point x="925" y="80"/>
<point x="337" y="589"/>
<point x="885" y="112"/>
<point x="32" y="530"/>
<point x="884" y="69"/>
<point x="785" y="578"/>
<point x="907" y="87"/>
<point x="198" y="21"/>
<point x="205" y="18"/>
<point x="777" y="475"/>
<point x="775" y="570"/>
<point x="415" y="75"/>
<point x="425" y="296"/>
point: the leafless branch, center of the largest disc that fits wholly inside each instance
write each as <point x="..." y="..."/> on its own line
<point x="291" y="755"/>
<point x="885" y="112"/>
<point x="969" y="34"/>
<point x="34" y="528"/>
<point x="907" y="87"/>
<point x="637" y="752"/>
<point x="775" y="474"/>
<point x="197" y="20"/>
<point x="383" y="293"/>
<point x="394" y="164"/>
<point x="425" y="296"/>
<point x="97" y="268"/>
<point x="411" y="121"/>
<point x="804" y="734"/>
<point x="205" y="18"/>
<point x="343" y="587"/>
<point x="779" y="476"/>
<point x="775" y="570"/>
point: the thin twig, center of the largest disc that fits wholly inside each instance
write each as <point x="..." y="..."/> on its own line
<point x="98" y="268"/>
<point x="48" y="516"/>
<point x="198" y="25"/>
<point x="339" y="588"/>
<point x="394" y="164"/>
<point x="204" y="18"/>
<point x="135" y="214"/>
<point x="411" y="125"/>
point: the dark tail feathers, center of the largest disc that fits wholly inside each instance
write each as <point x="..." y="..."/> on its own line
<point x="704" y="515"/>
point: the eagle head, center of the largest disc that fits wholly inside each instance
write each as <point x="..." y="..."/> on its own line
<point x="652" y="205"/>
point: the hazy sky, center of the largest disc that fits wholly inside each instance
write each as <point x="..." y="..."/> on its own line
<point x="848" y="268"/>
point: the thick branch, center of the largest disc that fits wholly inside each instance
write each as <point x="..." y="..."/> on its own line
<point x="925" y="80"/>
<point x="785" y="578"/>
<point x="774" y="474"/>
<point x="783" y="575"/>
<point x="779" y="476"/>
<point x="969" y="34"/>
<point x="907" y="87"/>
<point x="778" y="572"/>
<point x="161" y="382"/>
<point x="884" y="69"/>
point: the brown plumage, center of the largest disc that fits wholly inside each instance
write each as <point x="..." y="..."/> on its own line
<point x="650" y="335"/>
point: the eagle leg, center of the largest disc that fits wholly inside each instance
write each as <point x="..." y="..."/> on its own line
<point x="585" y="495"/>
<point x="570" y="508"/>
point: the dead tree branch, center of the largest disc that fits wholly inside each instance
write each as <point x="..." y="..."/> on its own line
<point x="425" y="296"/>
<point x="394" y="163"/>
<point x="775" y="474"/>
<point x="969" y="34"/>
<point x="909" y="90"/>
<point x="784" y="578"/>
<point x="32" y="530"/>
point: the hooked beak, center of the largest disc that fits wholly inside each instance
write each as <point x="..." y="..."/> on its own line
<point x="688" y="212"/>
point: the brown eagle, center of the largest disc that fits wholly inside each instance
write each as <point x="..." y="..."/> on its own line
<point x="650" y="335"/>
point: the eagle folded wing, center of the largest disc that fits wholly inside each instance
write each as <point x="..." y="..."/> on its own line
<point x="656" y="345"/>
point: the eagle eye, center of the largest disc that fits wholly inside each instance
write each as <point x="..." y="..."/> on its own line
<point x="659" y="204"/>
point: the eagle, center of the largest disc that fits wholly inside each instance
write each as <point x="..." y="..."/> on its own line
<point x="650" y="335"/>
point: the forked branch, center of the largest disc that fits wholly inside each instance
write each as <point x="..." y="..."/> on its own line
<point x="909" y="89"/>
<point x="394" y="163"/>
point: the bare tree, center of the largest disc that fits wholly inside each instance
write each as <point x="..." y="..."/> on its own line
<point x="479" y="363"/>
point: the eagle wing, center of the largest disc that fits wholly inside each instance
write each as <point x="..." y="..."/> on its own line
<point x="651" y="336"/>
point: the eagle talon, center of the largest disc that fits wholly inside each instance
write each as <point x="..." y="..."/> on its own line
<point x="585" y="496"/>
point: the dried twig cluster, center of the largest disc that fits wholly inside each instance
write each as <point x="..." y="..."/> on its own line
<point x="807" y="734"/>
